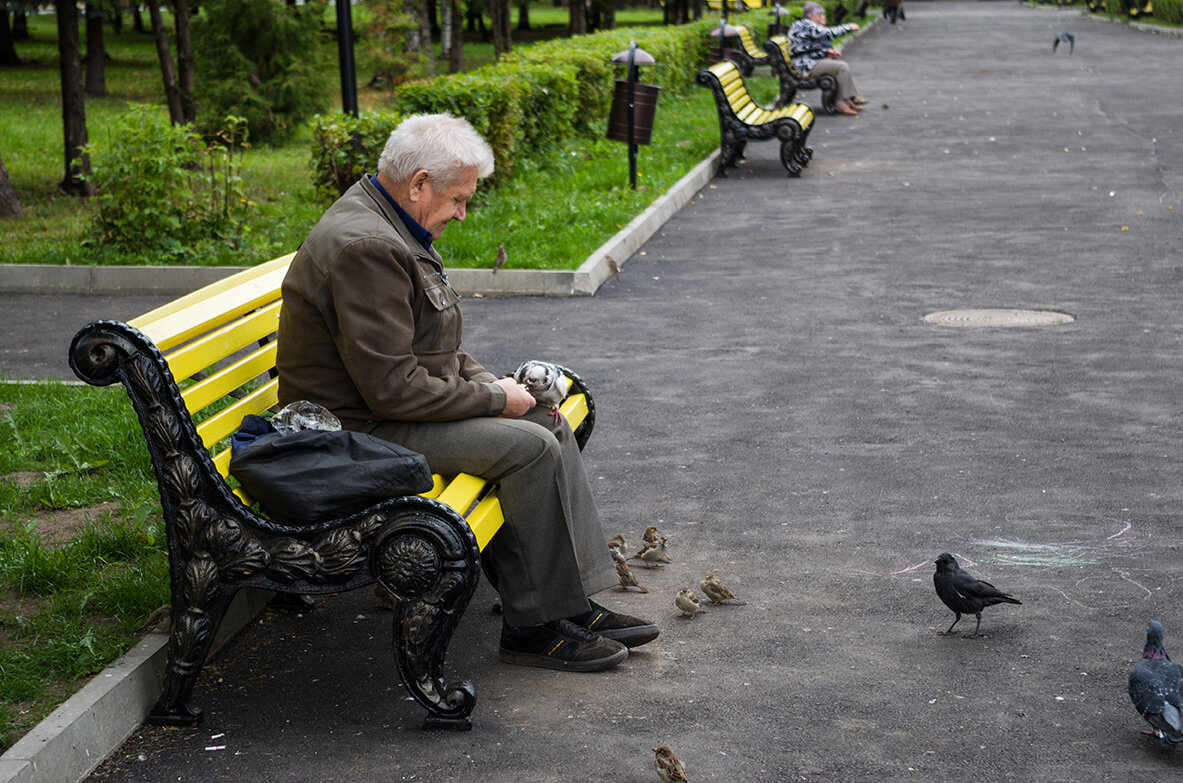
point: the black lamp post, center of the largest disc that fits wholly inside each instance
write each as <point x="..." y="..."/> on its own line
<point x="722" y="32"/>
<point x="345" y="56"/>
<point x="777" y="27"/>
<point x="633" y="57"/>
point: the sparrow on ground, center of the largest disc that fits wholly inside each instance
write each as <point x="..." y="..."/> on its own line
<point x="688" y="602"/>
<point x="669" y="767"/>
<point x="963" y="594"/>
<point x="716" y="591"/>
<point x="652" y="555"/>
<point x="158" y="616"/>
<point x="651" y="536"/>
<point x="623" y="572"/>
<point x="618" y="543"/>
<point x="501" y="256"/>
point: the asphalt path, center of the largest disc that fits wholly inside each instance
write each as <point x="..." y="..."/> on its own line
<point x="770" y="395"/>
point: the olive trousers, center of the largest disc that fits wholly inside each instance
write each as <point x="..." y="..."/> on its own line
<point x="551" y="552"/>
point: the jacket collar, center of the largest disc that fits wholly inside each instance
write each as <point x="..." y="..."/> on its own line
<point x="391" y="211"/>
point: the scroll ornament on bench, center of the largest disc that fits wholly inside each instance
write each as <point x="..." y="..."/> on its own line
<point x="303" y="468"/>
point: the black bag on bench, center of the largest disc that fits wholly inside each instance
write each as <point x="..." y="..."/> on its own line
<point x="306" y="476"/>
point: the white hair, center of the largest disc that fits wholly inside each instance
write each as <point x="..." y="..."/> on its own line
<point x="440" y="143"/>
<point x="811" y="8"/>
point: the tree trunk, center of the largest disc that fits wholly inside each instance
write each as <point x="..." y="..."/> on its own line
<point x="524" y="15"/>
<point x="137" y="19"/>
<point x="8" y="56"/>
<point x="96" y="54"/>
<point x="578" y="16"/>
<point x="185" y="60"/>
<point x="456" y="51"/>
<point x="496" y="12"/>
<point x="73" y="102"/>
<point x="426" y="50"/>
<point x="172" y="94"/>
<point x="10" y="205"/>
<point x="20" y="26"/>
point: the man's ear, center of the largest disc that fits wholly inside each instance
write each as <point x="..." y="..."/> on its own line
<point x="415" y="184"/>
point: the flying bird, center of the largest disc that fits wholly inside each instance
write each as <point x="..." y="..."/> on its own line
<point x="1068" y="38"/>
<point x="501" y="256"/>
<point x="546" y="383"/>
<point x="688" y="602"/>
<point x="669" y="767"/>
<point x="963" y="594"/>
<point x="716" y="591"/>
<point x="1155" y="687"/>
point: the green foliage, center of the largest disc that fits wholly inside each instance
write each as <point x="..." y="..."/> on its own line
<point x="1168" y="11"/>
<point x="161" y="189"/>
<point x="385" y="42"/>
<point x="531" y="100"/>
<point x="262" y="60"/>
<point x="346" y="147"/>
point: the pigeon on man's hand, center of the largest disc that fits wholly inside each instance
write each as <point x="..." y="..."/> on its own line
<point x="1156" y="688"/>
<point x="669" y="767"/>
<point x="546" y="383"/>
<point x="688" y="602"/>
<point x="963" y="594"/>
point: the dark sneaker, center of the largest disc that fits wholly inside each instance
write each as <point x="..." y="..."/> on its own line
<point x="629" y="631"/>
<point x="562" y="645"/>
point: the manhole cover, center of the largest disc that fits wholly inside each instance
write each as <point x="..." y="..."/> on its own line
<point x="998" y="318"/>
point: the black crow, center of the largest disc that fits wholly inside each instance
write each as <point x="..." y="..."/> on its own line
<point x="1155" y="685"/>
<point x="964" y="594"/>
<point x="1069" y="38"/>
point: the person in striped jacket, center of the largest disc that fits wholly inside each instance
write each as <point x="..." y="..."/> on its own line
<point x="812" y="54"/>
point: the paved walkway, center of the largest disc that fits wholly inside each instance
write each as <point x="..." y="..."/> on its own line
<point x="770" y="396"/>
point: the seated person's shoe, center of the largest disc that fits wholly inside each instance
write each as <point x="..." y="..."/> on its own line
<point x="629" y="631"/>
<point x="562" y="645"/>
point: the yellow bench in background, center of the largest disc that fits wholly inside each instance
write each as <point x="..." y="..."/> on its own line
<point x="193" y="369"/>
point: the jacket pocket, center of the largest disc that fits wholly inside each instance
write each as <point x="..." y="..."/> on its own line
<point x="437" y="329"/>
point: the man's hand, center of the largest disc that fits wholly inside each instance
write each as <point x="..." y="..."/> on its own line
<point x="517" y="400"/>
<point x="833" y="53"/>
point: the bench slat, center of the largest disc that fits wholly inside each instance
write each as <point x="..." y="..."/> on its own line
<point x="207" y="350"/>
<point x="214" y="305"/>
<point x="209" y="390"/>
<point x="226" y="422"/>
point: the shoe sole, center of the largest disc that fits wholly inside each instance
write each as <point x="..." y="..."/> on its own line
<point x="546" y="662"/>
<point x="632" y="637"/>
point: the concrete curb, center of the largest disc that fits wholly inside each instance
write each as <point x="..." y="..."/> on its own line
<point x="175" y="281"/>
<point x="82" y="732"/>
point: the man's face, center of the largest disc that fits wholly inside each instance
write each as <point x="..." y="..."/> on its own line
<point x="437" y="204"/>
<point x="818" y="16"/>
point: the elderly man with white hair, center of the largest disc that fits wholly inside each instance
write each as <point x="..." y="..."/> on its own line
<point x="812" y="54"/>
<point x="371" y="329"/>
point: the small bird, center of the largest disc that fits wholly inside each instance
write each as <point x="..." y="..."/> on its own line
<point x="613" y="267"/>
<point x="669" y="767"/>
<point x="652" y="555"/>
<point x="618" y="543"/>
<point x="624" y="573"/>
<point x="546" y="383"/>
<point x="716" y="591"/>
<point x="688" y="602"/>
<point x="963" y="594"/>
<point x="651" y="536"/>
<point x="1068" y="38"/>
<point x="500" y="260"/>
<point x="1155" y="688"/>
<point x="159" y="615"/>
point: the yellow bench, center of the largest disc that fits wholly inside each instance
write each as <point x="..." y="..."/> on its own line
<point x="736" y="5"/>
<point x="193" y="369"/>
<point x="741" y="119"/>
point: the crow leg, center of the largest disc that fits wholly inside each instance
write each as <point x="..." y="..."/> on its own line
<point x="979" y="625"/>
<point x="949" y="630"/>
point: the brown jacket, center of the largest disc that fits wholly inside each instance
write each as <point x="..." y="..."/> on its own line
<point x="370" y="327"/>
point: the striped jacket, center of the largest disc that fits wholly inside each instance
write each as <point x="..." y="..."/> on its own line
<point x="808" y="42"/>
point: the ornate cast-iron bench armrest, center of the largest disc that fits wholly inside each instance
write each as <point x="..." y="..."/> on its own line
<point x="741" y="119"/>
<point x="193" y="368"/>
<point x="780" y="58"/>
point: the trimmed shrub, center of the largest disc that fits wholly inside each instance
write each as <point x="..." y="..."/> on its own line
<point x="530" y="100"/>
<point x="344" y="148"/>
<point x="161" y="189"/>
<point x="1169" y="10"/>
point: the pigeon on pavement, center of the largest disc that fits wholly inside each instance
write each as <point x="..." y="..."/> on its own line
<point x="1155" y="685"/>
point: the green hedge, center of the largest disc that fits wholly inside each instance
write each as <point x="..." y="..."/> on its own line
<point x="529" y="101"/>
<point x="1169" y="10"/>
